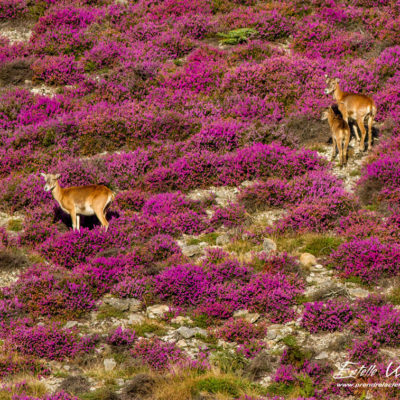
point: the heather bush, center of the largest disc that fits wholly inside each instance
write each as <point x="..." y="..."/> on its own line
<point x="156" y="353"/>
<point x="61" y="70"/>
<point x="369" y="259"/>
<point x="10" y="9"/>
<point x="329" y="316"/>
<point x="240" y="331"/>
<point x="120" y="337"/>
<point x="51" y="341"/>
<point x="230" y="216"/>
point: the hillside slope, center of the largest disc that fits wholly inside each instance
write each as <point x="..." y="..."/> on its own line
<point x="241" y="262"/>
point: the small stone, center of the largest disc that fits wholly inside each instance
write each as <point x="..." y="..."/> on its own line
<point x="70" y="324"/>
<point x="269" y="245"/>
<point x="135" y="319"/>
<point x="358" y="293"/>
<point x="181" y="320"/>
<point x="307" y="260"/>
<point x="157" y="311"/>
<point x="109" y="364"/>
<point x="119" y="304"/>
<point x="223" y="240"/>
<point x="134" y="305"/>
<point x="188" y="333"/>
<point x="317" y="268"/>
<point x="245" y="314"/>
<point x="190" y="251"/>
<point x="322" y="356"/>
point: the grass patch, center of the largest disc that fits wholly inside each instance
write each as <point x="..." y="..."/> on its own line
<point x="394" y="296"/>
<point x="323" y="245"/>
<point x="318" y="245"/>
<point x="302" y="299"/>
<point x="280" y="389"/>
<point x="223" y="385"/>
<point x="148" y="328"/>
<point x="106" y="311"/>
<point x="243" y="246"/>
<point x="104" y="393"/>
<point x="15" y="225"/>
<point x="228" y="361"/>
<point x="237" y="36"/>
<point x="355" y="172"/>
<point x="209" y="238"/>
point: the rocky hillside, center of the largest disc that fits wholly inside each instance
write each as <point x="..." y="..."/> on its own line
<point x="240" y="262"/>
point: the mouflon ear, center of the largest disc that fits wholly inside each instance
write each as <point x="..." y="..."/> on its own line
<point x="43" y="174"/>
<point x="57" y="176"/>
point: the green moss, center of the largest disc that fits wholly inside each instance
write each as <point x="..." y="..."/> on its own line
<point x="106" y="312"/>
<point x="146" y="328"/>
<point x="355" y="172"/>
<point x="229" y="361"/>
<point x="103" y="393"/>
<point x="237" y="36"/>
<point x="394" y="296"/>
<point x="323" y="245"/>
<point x="302" y="299"/>
<point x="295" y="354"/>
<point x="219" y="385"/>
<point x="280" y="389"/>
<point x="15" y="225"/>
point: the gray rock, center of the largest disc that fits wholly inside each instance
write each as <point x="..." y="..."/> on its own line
<point x="307" y="260"/>
<point x="245" y="314"/>
<point x="70" y="324"/>
<point x="119" y="304"/>
<point x="269" y="245"/>
<point x="358" y="293"/>
<point x="188" y="333"/>
<point x="322" y="356"/>
<point x="135" y="319"/>
<point x="109" y="364"/>
<point x="193" y="250"/>
<point x="134" y="305"/>
<point x="181" y="320"/>
<point x="157" y="311"/>
<point x="223" y="240"/>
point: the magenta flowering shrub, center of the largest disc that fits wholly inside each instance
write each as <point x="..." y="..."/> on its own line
<point x="156" y="353"/>
<point x="369" y="259"/>
<point x="57" y="70"/>
<point x="14" y="364"/>
<point x="74" y="247"/>
<point x="10" y="9"/>
<point x="121" y="337"/>
<point x="329" y="316"/>
<point x="229" y="216"/>
<point x="366" y="350"/>
<point x="240" y="331"/>
<point x="51" y="342"/>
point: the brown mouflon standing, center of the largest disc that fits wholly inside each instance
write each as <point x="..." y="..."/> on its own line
<point x="355" y="106"/>
<point x="340" y="135"/>
<point x="80" y="200"/>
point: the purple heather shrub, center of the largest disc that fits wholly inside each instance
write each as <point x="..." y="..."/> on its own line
<point x="317" y="216"/>
<point x="184" y="285"/>
<point x="240" y="331"/>
<point x="195" y="26"/>
<point x="285" y="374"/>
<point x="14" y="364"/>
<point x="329" y="316"/>
<point x="50" y="341"/>
<point x="365" y="350"/>
<point x="132" y="200"/>
<point x="53" y="292"/>
<point x="273" y="294"/>
<point x="10" y="308"/>
<point x="138" y="288"/>
<point x="103" y="273"/>
<point x="388" y="61"/>
<point x="120" y="337"/>
<point x="156" y="354"/>
<point x="227" y="270"/>
<point x="251" y="349"/>
<point x="220" y="136"/>
<point x="74" y="247"/>
<point x="57" y="70"/>
<point x="11" y="9"/>
<point x="102" y="55"/>
<point x="369" y="259"/>
<point x="4" y="239"/>
<point x="230" y="216"/>
<point x="162" y="246"/>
